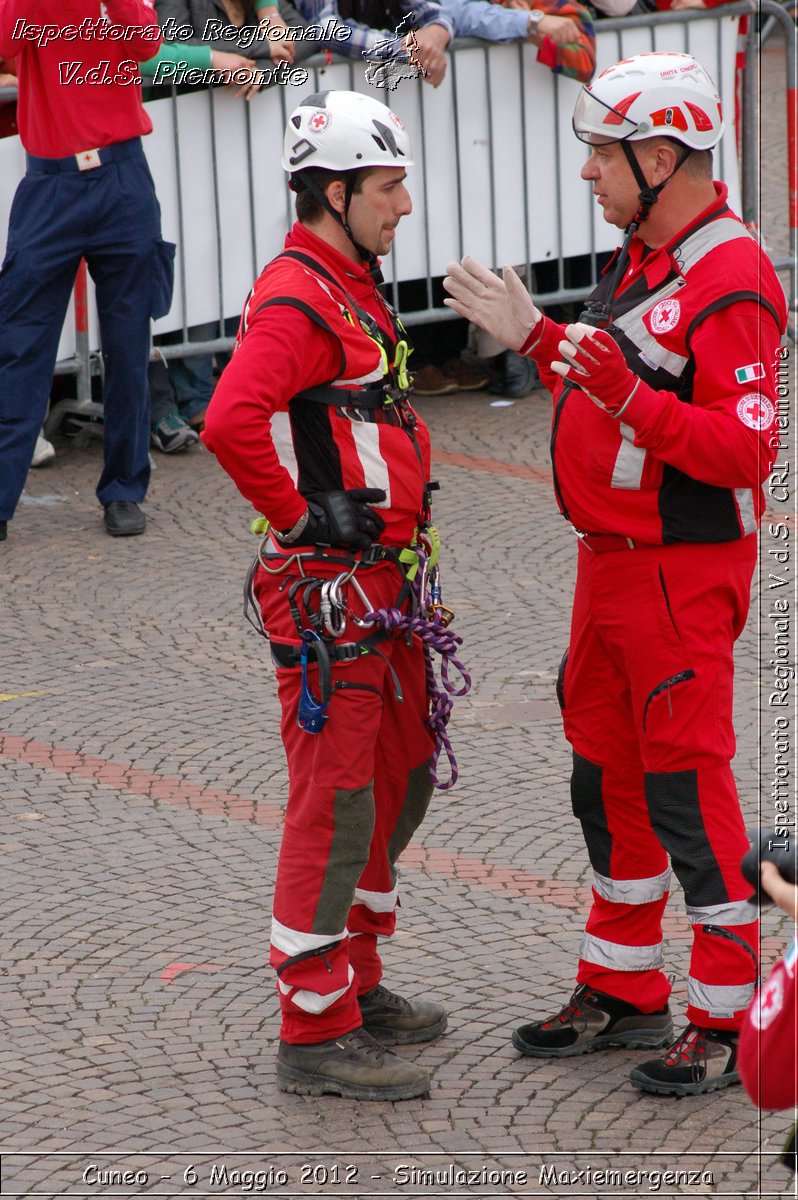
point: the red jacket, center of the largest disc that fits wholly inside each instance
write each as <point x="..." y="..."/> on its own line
<point x="61" y="109"/>
<point x="700" y="321"/>
<point x="298" y="332"/>
<point x="768" y="1051"/>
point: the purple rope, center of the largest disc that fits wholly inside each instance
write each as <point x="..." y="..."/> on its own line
<point x="433" y="636"/>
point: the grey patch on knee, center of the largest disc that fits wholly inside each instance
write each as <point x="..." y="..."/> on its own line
<point x="349" y="853"/>
<point x="414" y="809"/>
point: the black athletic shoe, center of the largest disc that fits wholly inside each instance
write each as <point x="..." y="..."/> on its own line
<point x="3" y="530"/>
<point x="395" y="1021"/>
<point x="123" y="518"/>
<point x="700" y="1060"/>
<point x="594" y="1021"/>
<point x="354" y="1066"/>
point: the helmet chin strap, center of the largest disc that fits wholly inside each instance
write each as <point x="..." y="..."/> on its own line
<point x="601" y="314"/>
<point x="648" y="195"/>
<point x="309" y="183"/>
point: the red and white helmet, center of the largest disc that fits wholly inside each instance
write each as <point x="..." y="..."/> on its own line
<point x="651" y="95"/>
<point x="343" y="131"/>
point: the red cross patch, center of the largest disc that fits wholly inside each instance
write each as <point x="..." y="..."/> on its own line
<point x="665" y="316"/>
<point x="769" y="1003"/>
<point x="319" y="121"/>
<point x="756" y="411"/>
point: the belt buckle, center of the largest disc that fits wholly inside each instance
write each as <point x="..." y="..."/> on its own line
<point x="582" y="536"/>
<point x="87" y="160"/>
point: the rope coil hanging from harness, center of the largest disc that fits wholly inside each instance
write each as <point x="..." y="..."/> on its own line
<point x="428" y="620"/>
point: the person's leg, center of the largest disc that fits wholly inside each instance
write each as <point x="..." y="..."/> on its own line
<point x="130" y="267"/>
<point x="42" y="256"/>
<point x="622" y="992"/>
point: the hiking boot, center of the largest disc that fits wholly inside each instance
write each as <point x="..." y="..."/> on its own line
<point x="468" y="377"/>
<point x="700" y="1060"/>
<point x="516" y="375"/>
<point x="354" y="1066"/>
<point x="395" y="1021"/>
<point x="431" y="381"/>
<point x="593" y="1021"/>
<point x="172" y="433"/>
<point x="124" y="518"/>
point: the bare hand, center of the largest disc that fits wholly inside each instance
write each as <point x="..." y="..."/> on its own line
<point x="503" y="306"/>
<point x="780" y="891"/>
<point x="280" y="50"/>
<point x="427" y="49"/>
<point x="562" y="30"/>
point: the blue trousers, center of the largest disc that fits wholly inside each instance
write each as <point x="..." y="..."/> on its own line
<point x="110" y="216"/>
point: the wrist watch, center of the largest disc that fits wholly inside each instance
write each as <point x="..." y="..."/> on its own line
<point x="287" y="536"/>
<point x="534" y="19"/>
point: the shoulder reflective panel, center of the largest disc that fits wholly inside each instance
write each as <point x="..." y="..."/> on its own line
<point x="708" y="237"/>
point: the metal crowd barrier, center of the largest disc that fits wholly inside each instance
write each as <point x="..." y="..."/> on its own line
<point x="625" y="35"/>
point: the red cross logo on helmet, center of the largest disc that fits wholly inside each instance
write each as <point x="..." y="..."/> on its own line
<point x="319" y="121"/>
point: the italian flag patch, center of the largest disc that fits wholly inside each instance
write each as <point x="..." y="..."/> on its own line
<point x="750" y="373"/>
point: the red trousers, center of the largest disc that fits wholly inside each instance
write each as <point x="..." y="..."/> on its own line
<point x="357" y="792"/>
<point x="647" y="694"/>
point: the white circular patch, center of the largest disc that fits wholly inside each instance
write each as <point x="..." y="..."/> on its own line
<point x="768" y="1004"/>
<point x="664" y="316"/>
<point x="756" y="411"/>
<point x="319" y="121"/>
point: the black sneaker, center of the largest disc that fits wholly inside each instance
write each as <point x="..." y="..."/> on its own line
<point x="172" y="434"/>
<point x="124" y="518"/>
<point x="3" y="530"/>
<point x="516" y="375"/>
<point x="593" y="1021"/>
<point x="700" y="1060"/>
<point x="395" y="1021"/>
<point x="354" y="1066"/>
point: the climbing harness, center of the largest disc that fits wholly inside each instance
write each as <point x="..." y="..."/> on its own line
<point x="320" y="609"/>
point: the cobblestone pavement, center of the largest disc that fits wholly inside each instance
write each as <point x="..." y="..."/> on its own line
<point x="142" y="788"/>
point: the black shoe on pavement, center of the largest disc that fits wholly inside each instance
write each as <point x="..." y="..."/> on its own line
<point x="3" y="530"/>
<point x="395" y="1021"/>
<point x="516" y="375"/>
<point x="593" y="1021"/>
<point x="124" y="518"/>
<point x="700" y="1060"/>
<point x="354" y="1066"/>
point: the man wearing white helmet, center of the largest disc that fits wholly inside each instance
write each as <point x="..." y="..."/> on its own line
<point x="664" y="428"/>
<point x="312" y="421"/>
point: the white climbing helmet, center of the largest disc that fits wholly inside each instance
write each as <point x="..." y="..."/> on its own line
<point x="343" y="131"/>
<point x="651" y="95"/>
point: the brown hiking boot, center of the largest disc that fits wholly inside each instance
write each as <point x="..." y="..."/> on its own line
<point x="700" y="1060"/>
<point x="395" y="1021"/>
<point x="594" y="1021"/>
<point x="354" y="1066"/>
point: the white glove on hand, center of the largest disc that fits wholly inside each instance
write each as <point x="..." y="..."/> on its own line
<point x="503" y="307"/>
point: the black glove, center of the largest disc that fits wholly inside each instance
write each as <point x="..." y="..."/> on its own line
<point x="343" y="519"/>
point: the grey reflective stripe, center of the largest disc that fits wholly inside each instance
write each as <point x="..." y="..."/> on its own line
<point x="745" y="503"/>
<point x="716" y="233"/>
<point x="632" y="891"/>
<point x="620" y="958"/>
<point x="717" y="1000"/>
<point x="632" y="325"/>
<point x="630" y="459"/>
<point x="735" y="912"/>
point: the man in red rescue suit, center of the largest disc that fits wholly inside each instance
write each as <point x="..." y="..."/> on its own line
<point x="664" y="427"/>
<point x="312" y="422"/>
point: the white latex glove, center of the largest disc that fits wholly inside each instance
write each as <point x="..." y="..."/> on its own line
<point x="503" y="307"/>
